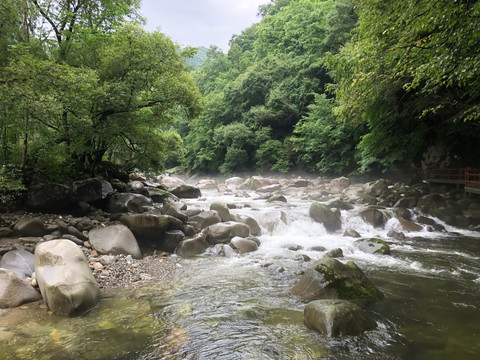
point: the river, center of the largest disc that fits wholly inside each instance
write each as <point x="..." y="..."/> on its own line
<point x="241" y="307"/>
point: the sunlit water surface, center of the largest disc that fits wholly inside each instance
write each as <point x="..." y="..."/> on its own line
<point x="241" y="307"/>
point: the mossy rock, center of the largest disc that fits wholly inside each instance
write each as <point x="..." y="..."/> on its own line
<point x="334" y="318"/>
<point x="328" y="278"/>
<point x="373" y="246"/>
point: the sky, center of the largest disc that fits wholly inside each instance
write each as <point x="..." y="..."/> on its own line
<point x="200" y="22"/>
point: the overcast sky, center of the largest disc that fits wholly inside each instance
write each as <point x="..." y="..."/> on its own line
<point x="201" y="22"/>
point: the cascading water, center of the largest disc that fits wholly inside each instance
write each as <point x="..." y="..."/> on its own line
<point x="241" y="307"/>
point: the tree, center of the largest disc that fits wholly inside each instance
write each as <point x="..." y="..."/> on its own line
<point x="95" y="87"/>
<point x="271" y="74"/>
<point x="412" y="66"/>
<point x="324" y="144"/>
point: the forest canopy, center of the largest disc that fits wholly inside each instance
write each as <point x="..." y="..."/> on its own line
<point x="344" y="86"/>
<point x="325" y="86"/>
<point x="81" y="83"/>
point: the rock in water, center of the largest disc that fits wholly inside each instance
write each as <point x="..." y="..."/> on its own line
<point x="205" y="219"/>
<point x="374" y="217"/>
<point x="222" y="210"/>
<point x="338" y="185"/>
<point x="244" y="245"/>
<point x="187" y="192"/>
<point x="373" y="246"/>
<point x="322" y="214"/>
<point x="194" y="246"/>
<point x="328" y="278"/>
<point x="15" y="291"/>
<point x="337" y="317"/>
<point x="251" y="222"/>
<point x="64" y="277"/>
<point x="224" y="232"/>
<point x="115" y="239"/>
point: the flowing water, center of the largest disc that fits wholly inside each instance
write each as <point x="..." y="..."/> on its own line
<point x="241" y="308"/>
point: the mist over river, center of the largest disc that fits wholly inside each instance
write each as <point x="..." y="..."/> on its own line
<point x="240" y="307"/>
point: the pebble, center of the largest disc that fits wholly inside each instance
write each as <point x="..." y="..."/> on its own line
<point x="97" y="266"/>
<point x="107" y="259"/>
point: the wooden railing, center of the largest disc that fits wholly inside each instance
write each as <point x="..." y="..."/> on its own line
<point x="461" y="176"/>
<point x="446" y="176"/>
<point x="472" y="180"/>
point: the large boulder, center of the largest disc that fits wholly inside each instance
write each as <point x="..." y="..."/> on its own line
<point x="408" y="225"/>
<point x="187" y="192"/>
<point x="160" y="196"/>
<point x="170" y="182"/>
<point x="116" y="240"/>
<point x="138" y="187"/>
<point x="374" y="217"/>
<point x="193" y="246"/>
<point x="328" y="278"/>
<point x="300" y="182"/>
<point x="222" y="210"/>
<point x="431" y="201"/>
<point x="207" y="184"/>
<point x="64" y="278"/>
<point x="146" y="226"/>
<point x="128" y="202"/>
<point x="373" y="246"/>
<point x="234" y="182"/>
<point x="50" y="198"/>
<point x="351" y="233"/>
<point x="226" y="231"/>
<point x="91" y="190"/>
<point x="269" y="188"/>
<point x="406" y="203"/>
<point x="175" y="209"/>
<point x="322" y="214"/>
<point x="171" y="240"/>
<point x="334" y="318"/>
<point x="273" y="218"/>
<point x="257" y="182"/>
<point x="341" y="205"/>
<point x="376" y="188"/>
<point x="205" y="218"/>
<point x="21" y="262"/>
<point x="244" y="245"/>
<point x="30" y="227"/>
<point x="251" y="222"/>
<point x="339" y="184"/>
<point x="15" y="291"/>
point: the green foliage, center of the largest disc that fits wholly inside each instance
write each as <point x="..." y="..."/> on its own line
<point x="194" y="57"/>
<point x="266" y="82"/>
<point x="324" y="144"/>
<point x="11" y="186"/>
<point x="273" y="155"/>
<point x="411" y="72"/>
<point x="87" y="85"/>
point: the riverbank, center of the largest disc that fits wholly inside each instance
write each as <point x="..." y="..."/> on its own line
<point x="226" y="305"/>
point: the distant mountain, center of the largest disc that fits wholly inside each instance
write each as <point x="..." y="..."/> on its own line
<point x="197" y="60"/>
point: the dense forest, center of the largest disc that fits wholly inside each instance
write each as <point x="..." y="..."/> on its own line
<point x="342" y="86"/>
<point x="327" y="86"/>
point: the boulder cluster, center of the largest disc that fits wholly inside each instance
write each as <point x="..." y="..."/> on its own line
<point x="112" y="220"/>
<point x="58" y="254"/>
